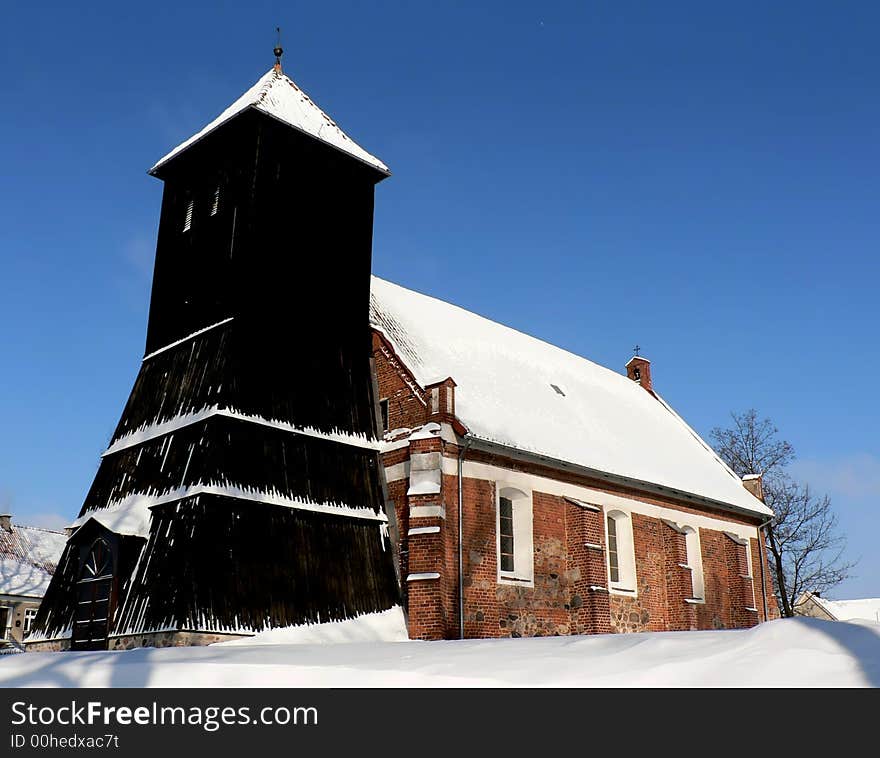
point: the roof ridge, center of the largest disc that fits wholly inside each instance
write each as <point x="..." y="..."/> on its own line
<point x="513" y="329"/>
<point x="265" y="87"/>
<point x="296" y="110"/>
<point x="37" y="528"/>
<point x="330" y="122"/>
<point x="698" y="438"/>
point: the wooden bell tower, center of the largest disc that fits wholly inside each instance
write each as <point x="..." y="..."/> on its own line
<point x="242" y="489"/>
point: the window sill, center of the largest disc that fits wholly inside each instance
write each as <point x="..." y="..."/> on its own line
<point x="695" y="600"/>
<point x="425" y="575"/>
<point x="624" y="591"/>
<point x="516" y="580"/>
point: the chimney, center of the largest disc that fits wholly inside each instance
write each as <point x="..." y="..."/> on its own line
<point x="754" y="483"/>
<point x="639" y="370"/>
<point x="6" y="522"/>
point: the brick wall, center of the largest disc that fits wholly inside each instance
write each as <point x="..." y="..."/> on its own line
<point x="758" y="550"/>
<point x="407" y="402"/>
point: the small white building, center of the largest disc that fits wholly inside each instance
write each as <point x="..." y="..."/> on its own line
<point x="814" y="605"/>
<point x="28" y="556"/>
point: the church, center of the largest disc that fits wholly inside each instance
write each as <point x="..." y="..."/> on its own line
<point x="306" y="443"/>
<point x="538" y="493"/>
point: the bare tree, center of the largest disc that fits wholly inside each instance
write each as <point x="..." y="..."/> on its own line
<point x="805" y="545"/>
<point x="752" y="446"/>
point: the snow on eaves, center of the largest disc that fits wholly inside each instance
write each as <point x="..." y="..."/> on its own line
<point x="131" y="515"/>
<point x="505" y="395"/>
<point x="152" y="431"/>
<point x="277" y="95"/>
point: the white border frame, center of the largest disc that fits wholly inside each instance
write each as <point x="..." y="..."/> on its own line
<point x="523" y="574"/>
<point x="626" y="554"/>
<point x="698" y="578"/>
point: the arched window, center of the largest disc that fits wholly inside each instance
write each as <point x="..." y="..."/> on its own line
<point x="695" y="562"/>
<point x="514" y="529"/>
<point x="620" y="553"/>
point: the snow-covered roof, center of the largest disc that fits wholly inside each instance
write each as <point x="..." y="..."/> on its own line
<point x="504" y="394"/>
<point x="28" y="557"/>
<point x="848" y="610"/>
<point x="277" y="95"/>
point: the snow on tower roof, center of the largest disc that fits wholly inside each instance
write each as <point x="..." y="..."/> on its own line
<point x="505" y="395"/>
<point x="28" y="556"/>
<point x="277" y="95"/>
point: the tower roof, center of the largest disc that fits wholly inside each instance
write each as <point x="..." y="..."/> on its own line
<point x="277" y="95"/>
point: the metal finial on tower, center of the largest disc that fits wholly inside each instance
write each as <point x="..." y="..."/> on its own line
<point x="278" y="51"/>
<point x="636" y="350"/>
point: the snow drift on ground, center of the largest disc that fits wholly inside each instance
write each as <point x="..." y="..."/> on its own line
<point x="798" y="652"/>
<point x="387" y="626"/>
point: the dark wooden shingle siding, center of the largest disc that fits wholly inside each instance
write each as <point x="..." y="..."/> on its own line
<point x="225" y="451"/>
<point x="300" y="382"/>
<point x="219" y="564"/>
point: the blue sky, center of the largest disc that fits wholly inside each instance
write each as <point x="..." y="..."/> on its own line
<point x="700" y="180"/>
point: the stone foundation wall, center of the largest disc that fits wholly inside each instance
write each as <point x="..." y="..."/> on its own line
<point x="170" y="639"/>
<point x="47" y="646"/>
<point x="131" y="641"/>
<point x="629" y="614"/>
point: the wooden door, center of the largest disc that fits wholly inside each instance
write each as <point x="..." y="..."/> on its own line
<point x="94" y="596"/>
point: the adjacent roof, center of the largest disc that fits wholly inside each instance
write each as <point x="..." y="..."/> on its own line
<point x="277" y="95"/>
<point x="848" y="610"/>
<point x="505" y="395"/>
<point x="28" y="556"/>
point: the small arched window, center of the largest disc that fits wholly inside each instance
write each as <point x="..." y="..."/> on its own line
<point x="515" y="540"/>
<point x="695" y="562"/>
<point x="620" y="553"/>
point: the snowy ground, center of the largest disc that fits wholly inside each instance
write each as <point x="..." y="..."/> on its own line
<point x="372" y="653"/>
